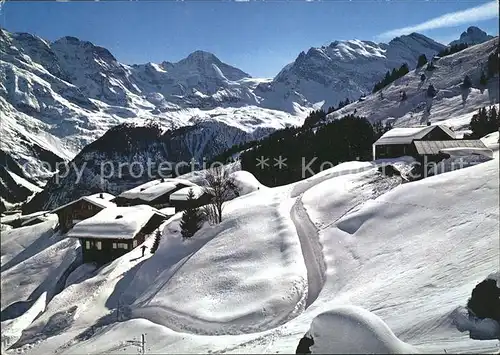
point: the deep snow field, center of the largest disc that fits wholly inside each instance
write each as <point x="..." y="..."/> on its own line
<point x="407" y="254"/>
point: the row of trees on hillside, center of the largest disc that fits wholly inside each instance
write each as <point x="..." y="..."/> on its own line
<point x="391" y="77"/>
<point x="453" y="49"/>
<point x="493" y="64"/>
<point x="299" y="153"/>
<point x="485" y="121"/>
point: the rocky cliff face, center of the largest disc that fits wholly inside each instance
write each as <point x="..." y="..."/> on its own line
<point x="473" y="35"/>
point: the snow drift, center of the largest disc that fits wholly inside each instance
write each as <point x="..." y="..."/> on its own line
<point x="354" y="330"/>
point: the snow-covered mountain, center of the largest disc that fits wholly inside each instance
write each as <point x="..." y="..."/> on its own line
<point x="452" y="105"/>
<point x="473" y="35"/>
<point x="343" y="69"/>
<point x="58" y="97"/>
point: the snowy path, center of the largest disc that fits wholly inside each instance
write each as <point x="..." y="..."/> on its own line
<point x="311" y="249"/>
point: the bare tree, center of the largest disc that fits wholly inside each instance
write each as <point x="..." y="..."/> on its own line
<point x="220" y="185"/>
<point x="210" y="214"/>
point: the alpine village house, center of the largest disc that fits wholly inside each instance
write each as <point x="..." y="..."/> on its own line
<point x="163" y="193"/>
<point x="115" y="231"/>
<point x="83" y="208"/>
<point x="424" y="143"/>
<point x="155" y="193"/>
<point x="109" y="227"/>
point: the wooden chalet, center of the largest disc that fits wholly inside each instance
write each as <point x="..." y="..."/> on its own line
<point x="399" y="142"/>
<point x="154" y="193"/>
<point x="115" y="231"/>
<point x="81" y="209"/>
<point x="428" y="145"/>
<point x="179" y="199"/>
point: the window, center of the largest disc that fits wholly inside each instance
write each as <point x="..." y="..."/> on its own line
<point x="114" y="246"/>
<point x="99" y="245"/>
<point x="87" y="244"/>
<point x="134" y="243"/>
<point x="125" y="246"/>
<point x="122" y="245"/>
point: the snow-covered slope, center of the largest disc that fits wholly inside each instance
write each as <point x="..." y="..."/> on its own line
<point x="473" y="35"/>
<point x="452" y="105"/>
<point x="408" y="253"/>
<point x="343" y="69"/>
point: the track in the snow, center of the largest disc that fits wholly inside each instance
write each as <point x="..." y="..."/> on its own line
<point x="311" y="250"/>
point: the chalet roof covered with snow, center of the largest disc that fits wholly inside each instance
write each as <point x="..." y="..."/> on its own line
<point x="102" y="200"/>
<point x="154" y="189"/>
<point x="169" y="211"/>
<point x="435" y="147"/>
<point x="406" y="135"/>
<point x="182" y="194"/>
<point x="115" y="223"/>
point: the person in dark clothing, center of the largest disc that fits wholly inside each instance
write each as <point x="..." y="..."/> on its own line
<point x="304" y="344"/>
<point x="143" y="248"/>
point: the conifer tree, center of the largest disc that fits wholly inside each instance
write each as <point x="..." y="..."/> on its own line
<point x="422" y="60"/>
<point x="467" y="83"/>
<point x="431" y="91"/>
<point x="493" y="64"/>
<point x="403" y="70"/>
<point x="156" y="242"/>
<point x="192" y="218"/>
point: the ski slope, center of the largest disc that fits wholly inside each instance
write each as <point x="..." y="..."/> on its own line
<point x="407" y="254"/>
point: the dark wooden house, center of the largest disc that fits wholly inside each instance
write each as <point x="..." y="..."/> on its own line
<point x="180" y="201"/>
<point x="154" y="193"/>
<point x="83" y="208"/>
<point x="399" y="142"/>
<point x="115" y="231"/>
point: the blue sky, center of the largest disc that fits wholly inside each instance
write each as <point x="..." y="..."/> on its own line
<point x="259" y="37"/>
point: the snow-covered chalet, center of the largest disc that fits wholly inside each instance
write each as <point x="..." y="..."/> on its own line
<point x="155" y="193"/>
<point x="82" y="208"/>
<point x="424" y="143"/>
<point x="115" y="231"/>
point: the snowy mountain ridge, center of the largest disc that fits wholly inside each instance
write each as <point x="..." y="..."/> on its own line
<point x="58" y="97"/>
<point x="344" y="69"/>
<point x="452" y="105"/>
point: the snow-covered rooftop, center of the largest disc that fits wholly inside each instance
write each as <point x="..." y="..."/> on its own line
<point x="169" y="211"/>
<point x="182" y="194"/>
<point x="406" y="135"/>
<point x="102" y="200"/>
<point x="434" y="147"/>
<point x="115" y="223"/>
<point x="154" y="189"/>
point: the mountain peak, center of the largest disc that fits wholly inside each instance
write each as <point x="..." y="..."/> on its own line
<point x="70" y="41"/>
<point x="473" y="35"/>
<point x="200" y="55"/>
